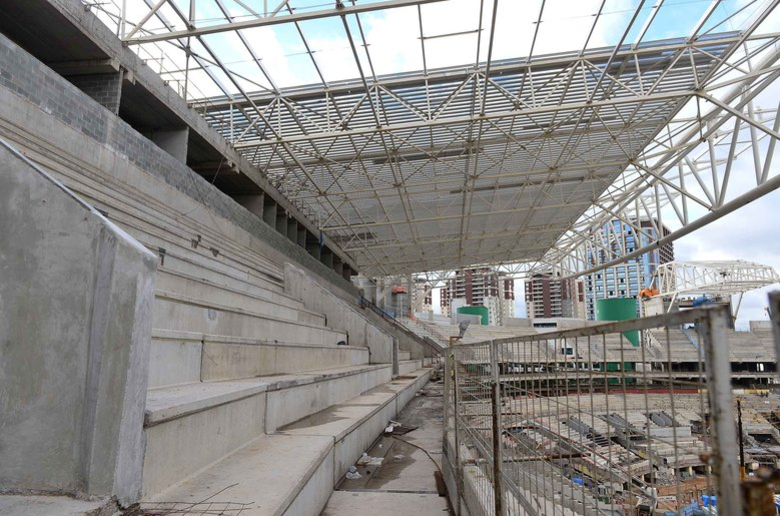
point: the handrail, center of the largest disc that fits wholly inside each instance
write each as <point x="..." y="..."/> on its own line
<point x="367" y="303"/>
<point x="693" y="342"/>
<point x="427" y="327"/>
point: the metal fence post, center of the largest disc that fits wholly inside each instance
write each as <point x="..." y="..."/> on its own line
<point x="722" y="412"/>
<point x="774" y="313"/>
<point x="498" y="495"/>
<point x="456" y="436"/>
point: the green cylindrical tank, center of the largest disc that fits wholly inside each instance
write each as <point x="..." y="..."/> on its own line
<point x="481" y="311"/>
<point x="618" y="309"/>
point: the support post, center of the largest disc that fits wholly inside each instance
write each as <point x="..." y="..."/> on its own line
<point x="498" y="493"/>
<point x="774" y="315"/>
<point x="458" y="468"/>
<point x="718" y="374"/>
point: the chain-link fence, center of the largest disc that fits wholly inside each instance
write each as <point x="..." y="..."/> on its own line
<point x="633" y="417"/>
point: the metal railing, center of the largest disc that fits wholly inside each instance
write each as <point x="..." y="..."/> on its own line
<point x="425" y="330"/>
<point x="588" y="421"/>
<point x="399" y="325"/>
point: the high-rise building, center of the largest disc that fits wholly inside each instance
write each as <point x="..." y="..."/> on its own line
<point x="629" y="278"/>
<point x="444" y="301"/>
<point x="481" y="286"/>
<point x="549" y="295"/>
<point x="422" y="296"/>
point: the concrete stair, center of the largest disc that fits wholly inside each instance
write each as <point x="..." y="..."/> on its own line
<point x="293" y="470"/>
<point x="234" y="358"/>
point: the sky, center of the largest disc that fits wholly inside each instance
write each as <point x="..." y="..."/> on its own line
<point x="393" y="36"/>
<point x="393" y="39"/>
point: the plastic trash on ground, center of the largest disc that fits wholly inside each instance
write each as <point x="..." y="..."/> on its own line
<point x="353" y="474"/>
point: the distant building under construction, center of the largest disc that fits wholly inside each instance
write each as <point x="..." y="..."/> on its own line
<point x="481" y="286"/>
<point x="549" y="295"/>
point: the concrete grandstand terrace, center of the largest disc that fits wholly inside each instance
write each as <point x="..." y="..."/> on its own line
<point x="231" y="346"/>
<point x="178" y="326"/>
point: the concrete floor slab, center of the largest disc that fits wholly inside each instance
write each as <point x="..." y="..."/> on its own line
<point x="343" y="503"/>
<point x="53" y="506"/>
<point x="405" y="481"/>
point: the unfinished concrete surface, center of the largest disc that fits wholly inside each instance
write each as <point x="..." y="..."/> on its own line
<point x="289" y="472"/>
<point x="235" y="358"/>
<point x="343" y="315"/>
<point x="404" y="483"/>
<point x="11" y="505"/>
<point x="75" y="328"/>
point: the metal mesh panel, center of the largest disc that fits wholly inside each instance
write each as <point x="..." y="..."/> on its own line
<point x="622" y="418"/>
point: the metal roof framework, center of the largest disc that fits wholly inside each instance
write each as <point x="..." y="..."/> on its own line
<point x="720" y="278"/>
<point x="519" y="162"/>
<point x="723" y="278"/>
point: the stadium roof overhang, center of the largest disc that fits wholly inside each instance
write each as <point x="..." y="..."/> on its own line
<point x="497" y="162"/>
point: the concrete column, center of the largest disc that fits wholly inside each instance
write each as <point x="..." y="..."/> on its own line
<point x="326" y="256"/>
<point x="172" y="141"/>
<point x="106" y="88"/>
<point x="292" y="229"/>
<point x="253" y="203"/>
<point x="269" y="211"/>
<point x="281" y="221"/>
<point x="338" y="265"/>
<point x="313" y="245"/>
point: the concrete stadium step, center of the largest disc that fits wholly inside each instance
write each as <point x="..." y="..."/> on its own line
<point x="182" y="357"/>
<point x="189" y="427"/>
<point x="176" y="238"/>
<point x="191" y="315"/>
<point x="356" y="423"/>
<point x="144" y="217"/>
<point x="409" y="366"/>
<point x="260" y="301"/>
<point x="217" y="273"/>
<point x="294" y="471"/>
<point x="176" y="281"/>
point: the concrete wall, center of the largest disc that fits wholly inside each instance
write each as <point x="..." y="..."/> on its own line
<point x="105" y="88"/>
<point x="342" y="315"/>
<point x="75" y="330"/>
<point x="145" y="76"/>
<point x="29" y="79"/>
<point x="407" y="341"/>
